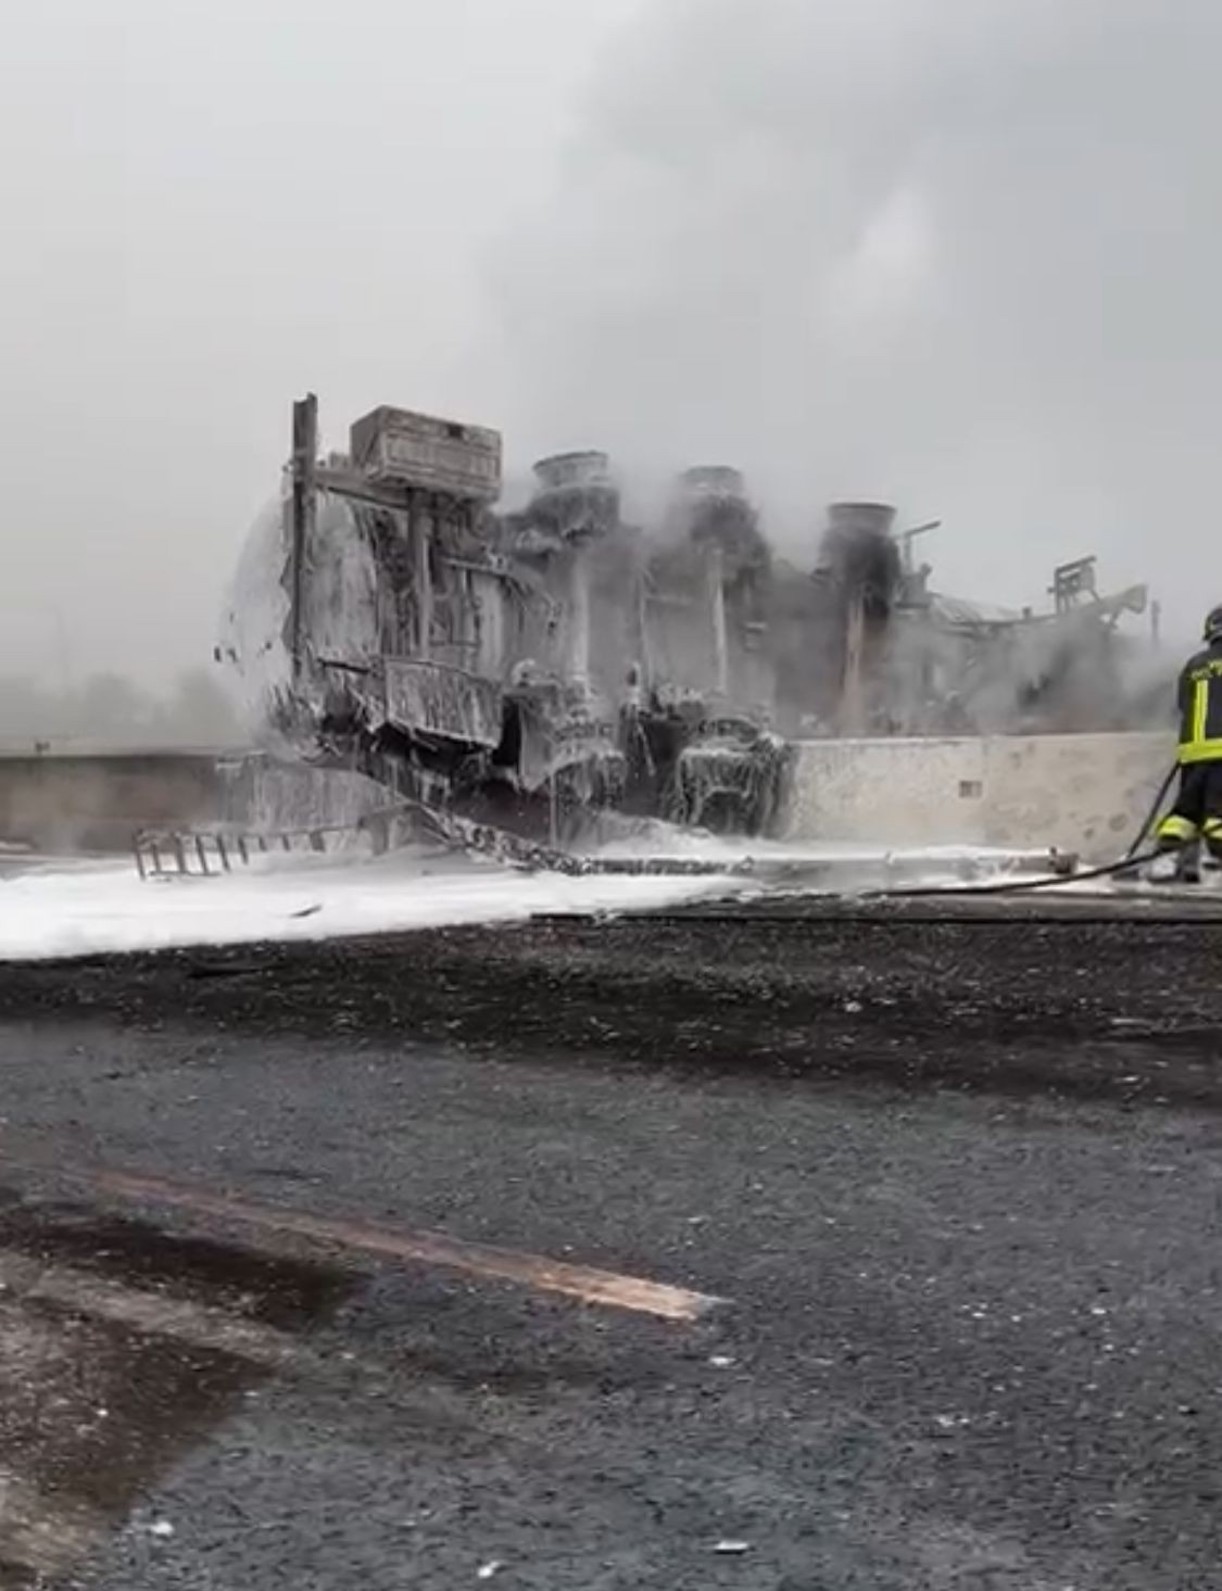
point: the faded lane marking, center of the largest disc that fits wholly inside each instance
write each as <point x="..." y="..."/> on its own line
<point x="589" y="1285"/>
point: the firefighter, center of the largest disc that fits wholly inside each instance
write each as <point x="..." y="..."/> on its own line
<point x="1197" y="813"/>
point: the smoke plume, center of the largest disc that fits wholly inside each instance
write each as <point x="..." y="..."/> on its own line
<point x="964" y="254"/>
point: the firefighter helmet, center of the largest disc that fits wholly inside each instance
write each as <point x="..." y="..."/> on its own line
<point x="1213" y="625"/>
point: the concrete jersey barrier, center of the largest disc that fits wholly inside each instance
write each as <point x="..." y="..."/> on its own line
<point x="1086" y="793"/>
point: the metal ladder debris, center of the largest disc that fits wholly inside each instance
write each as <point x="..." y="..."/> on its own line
<point x="214" y="851"/>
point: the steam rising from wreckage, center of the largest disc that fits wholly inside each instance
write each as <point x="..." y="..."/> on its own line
<point x="531" y="669"/>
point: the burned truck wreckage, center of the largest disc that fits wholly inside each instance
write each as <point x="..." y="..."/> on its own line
<point x="531" y="669"/>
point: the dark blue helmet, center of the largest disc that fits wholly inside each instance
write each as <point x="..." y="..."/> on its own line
<point x="1213" y="625"/>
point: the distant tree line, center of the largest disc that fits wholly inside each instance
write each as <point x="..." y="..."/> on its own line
<point x="110" y="710"/>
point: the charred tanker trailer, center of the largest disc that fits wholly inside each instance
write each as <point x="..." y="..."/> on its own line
<point x="533" y="669"/>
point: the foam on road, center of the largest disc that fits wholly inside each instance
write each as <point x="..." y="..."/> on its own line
<point x="51" y="910"/>
<point x="108" y="908"/>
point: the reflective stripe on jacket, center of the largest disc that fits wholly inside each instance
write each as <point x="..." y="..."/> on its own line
<point x="1200" y="701"/>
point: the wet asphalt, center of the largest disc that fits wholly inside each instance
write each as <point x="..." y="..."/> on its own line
<point x="956" y="1175"/>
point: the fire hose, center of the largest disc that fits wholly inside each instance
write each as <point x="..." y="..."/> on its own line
<point x="1133" y="859"/>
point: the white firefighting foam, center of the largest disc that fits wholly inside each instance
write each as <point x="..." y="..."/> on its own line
<point x="51" y="909"/>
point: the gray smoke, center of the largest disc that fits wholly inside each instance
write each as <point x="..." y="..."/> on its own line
<point x="963" y="254"/>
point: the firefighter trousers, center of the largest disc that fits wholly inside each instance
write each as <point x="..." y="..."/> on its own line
<point x="1197" y="813"/>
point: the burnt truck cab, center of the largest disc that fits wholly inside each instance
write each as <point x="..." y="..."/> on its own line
<point x="386" y="620"/>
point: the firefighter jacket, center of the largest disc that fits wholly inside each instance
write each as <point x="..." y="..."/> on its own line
<point x="1200" y="703"/>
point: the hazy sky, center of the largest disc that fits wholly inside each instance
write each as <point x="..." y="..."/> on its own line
<point x="962" y="253"/>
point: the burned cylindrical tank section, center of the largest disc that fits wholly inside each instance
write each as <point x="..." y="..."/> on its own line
<point x="857" y="580"/>
<point x="536" y="667"/>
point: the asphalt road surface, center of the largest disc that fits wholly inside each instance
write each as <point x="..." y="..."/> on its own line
<point x="803" y="1250"/>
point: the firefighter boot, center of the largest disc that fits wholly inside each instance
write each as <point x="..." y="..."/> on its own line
<point x="1213" y="847"/>
<point x="1176" y="864"/>
<point x="1188" y="864"/>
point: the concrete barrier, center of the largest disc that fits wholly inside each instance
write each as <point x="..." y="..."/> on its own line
<point x="94" y="801"/>
<point x="1087" y="793"/>
<point x="1080" y="792"/>
<point x="265" y="793"/>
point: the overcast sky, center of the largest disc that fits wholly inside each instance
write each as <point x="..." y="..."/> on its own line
<point x="965" y="254"/>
